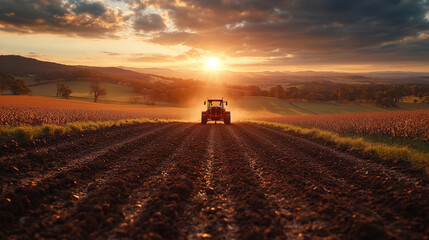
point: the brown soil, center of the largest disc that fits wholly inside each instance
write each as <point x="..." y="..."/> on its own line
<point x="193" y="181"/>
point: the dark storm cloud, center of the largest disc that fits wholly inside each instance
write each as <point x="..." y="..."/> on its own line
<point x="149" y="22"/>
<point x="84" y="18"/>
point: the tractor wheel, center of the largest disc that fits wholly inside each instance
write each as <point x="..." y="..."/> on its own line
<point x="203" y="118"/>
<point x="227" y="119"/>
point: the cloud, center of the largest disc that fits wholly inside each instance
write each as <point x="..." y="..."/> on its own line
<point x="191" y="54"/>
<point x="309" y="30"/>
<point x="83" y="18"/>
<point x="33" y="55"/>
<point x="135" y="5"/>
<point x="151" y="58"/>
<point x="306" y="29"/>
<point x="172" y="38"/>
<point x="148" y="23"/>
<point x="112" y="53"/>
<point x="94" y="8"/>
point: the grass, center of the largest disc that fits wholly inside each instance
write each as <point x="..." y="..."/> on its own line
<point x="284" y="107"/>
<point x="385" y="150"/>
<point x="399" y="142"/>
<point x="116" y="94"/>
<point x="268" y="104"/>
<point x="30" y="132"/>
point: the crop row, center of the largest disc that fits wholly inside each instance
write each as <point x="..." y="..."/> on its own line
<point x="22" y="115"/>
<point x="398" y="124"/>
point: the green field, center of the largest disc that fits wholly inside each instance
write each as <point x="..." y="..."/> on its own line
<point x="284" y="107"/>
<point x="116" y="94"/>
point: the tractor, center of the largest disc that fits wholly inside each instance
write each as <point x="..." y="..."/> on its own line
<point x="216" y="111"/>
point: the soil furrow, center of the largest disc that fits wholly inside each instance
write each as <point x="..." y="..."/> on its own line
<point x="18" y="149"/>
<point x="365" y="179"/>
<point x="294" y="228"/>
<point x="297" y="182"/>
<point x="108" y="200"/>
<point x="405" y="176"/>
<point x="214" y="181"/>
<point x="164" y="216"/>
<point x="345" y="190"/>
<point x="36" y="178"/>
<point x="61" y="185"/>
<point x="34" y="164"/>
<point x="211" y="211"/>
<point x="255" y="214"/>
<point x="145" y="191"/>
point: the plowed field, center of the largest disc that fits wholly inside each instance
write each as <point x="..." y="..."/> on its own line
<point x="193" y="181"/>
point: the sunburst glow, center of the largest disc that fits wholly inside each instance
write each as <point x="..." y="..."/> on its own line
<point x="212" y="63"/>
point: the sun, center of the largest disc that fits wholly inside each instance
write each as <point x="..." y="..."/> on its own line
<point x="212" y="63"/>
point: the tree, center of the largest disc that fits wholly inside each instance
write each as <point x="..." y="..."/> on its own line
<point x="291" y="92"/>
<point x="277" y="91"/>
<point x="18" y="87"/>
<point x="63" y="90"/>
<point x="97" y="90"/>
<point x="6" y="81"/>
<point x="367" y="95"/>
<point x="383" y="100"/>
<point x="3" y="82"/>
<point x="38" y="79"/>
<point x="388" y="102"/>
<point x="255" y="90"/>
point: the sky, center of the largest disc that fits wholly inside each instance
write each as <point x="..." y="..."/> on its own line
<point x="243" y="35"/>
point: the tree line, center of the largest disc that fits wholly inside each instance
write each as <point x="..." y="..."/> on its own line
<point x="69" y="75"/>
<point x="381" y="94"/>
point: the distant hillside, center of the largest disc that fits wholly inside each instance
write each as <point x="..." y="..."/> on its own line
<point x="268" y="79"/>
<point x="119" y="72"/>
<point x="19" y="65"/>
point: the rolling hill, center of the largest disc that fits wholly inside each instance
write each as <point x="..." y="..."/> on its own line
<point x="268" y="79"/>
<point x="19" y="65"/>
<point x="22" y="66"/>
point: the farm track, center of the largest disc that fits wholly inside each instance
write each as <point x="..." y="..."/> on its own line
<point x="193" y="181"/>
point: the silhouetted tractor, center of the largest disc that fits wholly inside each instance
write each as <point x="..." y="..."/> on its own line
<point x="216" y="111"/>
